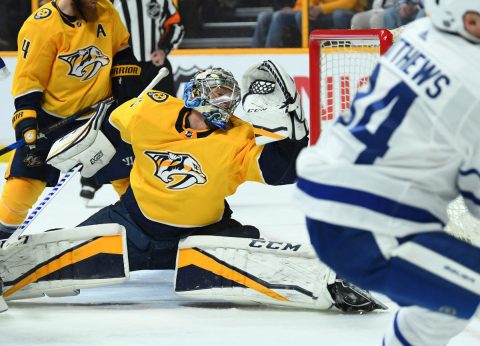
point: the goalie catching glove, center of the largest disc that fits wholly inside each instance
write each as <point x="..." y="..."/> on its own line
<point x="273" y="104"/>
<point x="86" y="145"/>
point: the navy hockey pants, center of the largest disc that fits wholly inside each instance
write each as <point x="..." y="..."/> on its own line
<point x="147" y="251"/>
<point x="432" y="270"/>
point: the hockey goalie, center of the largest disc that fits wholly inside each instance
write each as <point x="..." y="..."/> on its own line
<point x="190" y="155"/>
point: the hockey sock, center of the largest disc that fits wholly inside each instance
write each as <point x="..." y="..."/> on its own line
<point x="18" y="196"/>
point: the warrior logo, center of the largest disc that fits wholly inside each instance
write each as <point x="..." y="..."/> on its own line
<point x="85" y="63"/>
<point x="178" y="171"/>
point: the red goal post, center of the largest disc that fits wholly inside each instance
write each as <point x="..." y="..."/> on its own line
<point x="340" y="62"/>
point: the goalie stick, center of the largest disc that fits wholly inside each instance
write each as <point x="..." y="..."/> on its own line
<point x="16" y="236"/>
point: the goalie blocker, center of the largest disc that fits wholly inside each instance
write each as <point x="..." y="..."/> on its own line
<point x="260" y="271"/>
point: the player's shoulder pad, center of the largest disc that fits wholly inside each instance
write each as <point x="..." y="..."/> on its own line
<point x="42" y="13"/>
<point x="157" y="96"/>
<point x="41" y="21"/>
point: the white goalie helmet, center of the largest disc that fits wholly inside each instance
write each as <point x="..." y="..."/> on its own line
<point x="215" y="93"/>
<point x="447" y="15"/>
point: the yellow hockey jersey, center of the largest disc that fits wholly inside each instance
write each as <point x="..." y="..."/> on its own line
<point x="68" y="59"/>
<point x="180" y="176"/>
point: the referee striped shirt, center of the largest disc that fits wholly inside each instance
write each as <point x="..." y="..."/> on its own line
<point x="153" y="24"/>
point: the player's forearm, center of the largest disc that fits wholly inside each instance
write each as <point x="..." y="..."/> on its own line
<point x="31" y="100"/>
<point x="277" y="161"/>
<point x="173" y="36"/>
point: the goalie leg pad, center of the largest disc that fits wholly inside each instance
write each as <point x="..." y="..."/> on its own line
<point x="60" y="262"/>
<point x="3" y="305"/>
<point x="252" y="270"/>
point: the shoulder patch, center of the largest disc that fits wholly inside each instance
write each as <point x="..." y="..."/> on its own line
<point x="43" y="13"/>
<point x="158" y="96"/>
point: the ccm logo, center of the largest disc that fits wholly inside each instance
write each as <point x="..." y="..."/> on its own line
<point x="97" y="157"/>
<point x="274" y="245"/>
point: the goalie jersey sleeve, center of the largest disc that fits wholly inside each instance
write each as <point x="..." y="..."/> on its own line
<point x="66" y="59"/>
<point x="409" y="144"/>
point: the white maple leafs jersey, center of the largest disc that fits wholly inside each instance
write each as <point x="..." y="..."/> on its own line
<point x="409" y="144"/>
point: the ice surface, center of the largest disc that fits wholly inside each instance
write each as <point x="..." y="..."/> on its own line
<point x="145" y="311"/>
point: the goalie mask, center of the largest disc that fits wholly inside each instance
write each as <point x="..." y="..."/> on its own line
<point x="215" y="93"/>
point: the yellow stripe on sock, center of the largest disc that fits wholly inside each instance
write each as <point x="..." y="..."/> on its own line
<point x="193" y="257"/>
<point x="107" y="245"/>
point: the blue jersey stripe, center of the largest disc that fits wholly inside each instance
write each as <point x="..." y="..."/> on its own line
<point x="398" y="333"/>
<point x="469" y="172"/>
<point x="367" y="200"/>
<point x="470" y="196"/>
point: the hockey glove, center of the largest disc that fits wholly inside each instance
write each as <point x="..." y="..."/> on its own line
<point x="273" y="104"/>
<point x="125" y="74"/>
<point x="24" y="122"/>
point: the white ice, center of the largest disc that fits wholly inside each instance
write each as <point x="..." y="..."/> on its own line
<point x="145" y="311"/>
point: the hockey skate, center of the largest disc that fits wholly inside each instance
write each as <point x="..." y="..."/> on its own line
<point x="350" y="298"/>
<point x="89" y="188"/>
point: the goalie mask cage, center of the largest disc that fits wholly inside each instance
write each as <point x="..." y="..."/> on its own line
<point x="341" y="62"/>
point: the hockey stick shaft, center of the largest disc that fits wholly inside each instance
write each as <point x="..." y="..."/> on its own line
<point x="68" y="176"/>
<point x="20" y="143"/>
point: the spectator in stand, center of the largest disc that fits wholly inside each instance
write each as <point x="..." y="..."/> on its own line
<point x="272" y="27"/>
<point x="404" y="12"/>
<point x="342" y="17"/>
<point x="288" y="21"/>
<point x="328" y="14"/>
<point x="373" y="18"/>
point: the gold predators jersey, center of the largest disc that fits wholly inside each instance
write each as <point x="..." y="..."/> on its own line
<point x="68" y="59"/>
<point x="180" y="176"/>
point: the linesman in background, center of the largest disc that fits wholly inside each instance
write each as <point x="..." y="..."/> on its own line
<point x="155" y="30"/>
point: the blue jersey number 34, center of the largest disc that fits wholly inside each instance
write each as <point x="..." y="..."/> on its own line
<point x="398" y="100"/>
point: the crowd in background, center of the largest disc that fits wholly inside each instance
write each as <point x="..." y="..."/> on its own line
<point x="278" y="22"/>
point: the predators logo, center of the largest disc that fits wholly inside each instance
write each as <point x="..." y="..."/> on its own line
<point x="85" y="63"/>
<point x="157" y="96"/>
<point x="178" y="171"/>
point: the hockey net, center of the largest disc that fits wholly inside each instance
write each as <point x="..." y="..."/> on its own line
<point x="341" y="62"/>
